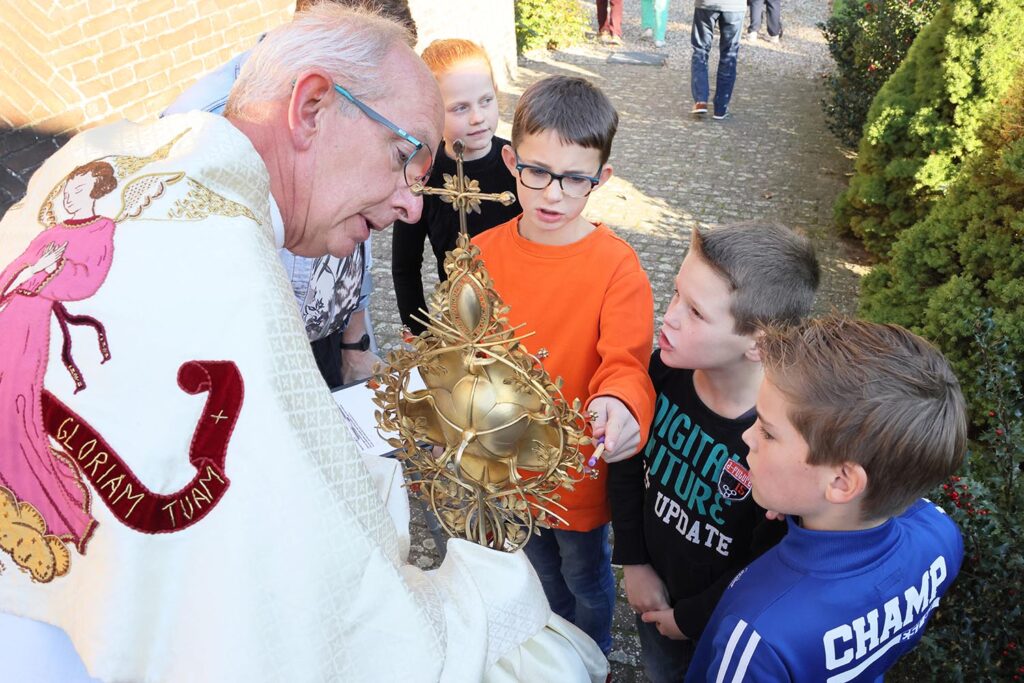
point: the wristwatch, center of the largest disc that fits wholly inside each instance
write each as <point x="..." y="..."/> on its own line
<point x="362" y="345"/>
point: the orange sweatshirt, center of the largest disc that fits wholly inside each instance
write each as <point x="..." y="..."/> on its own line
<point x="591" y="307"/>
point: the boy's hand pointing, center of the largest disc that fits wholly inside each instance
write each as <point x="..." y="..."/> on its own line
<point x="617" y="425"/>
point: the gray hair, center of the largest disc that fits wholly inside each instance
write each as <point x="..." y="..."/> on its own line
<point x="348" y="43"/>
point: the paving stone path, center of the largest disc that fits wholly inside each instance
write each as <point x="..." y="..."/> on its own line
<point x="773" y="158"/>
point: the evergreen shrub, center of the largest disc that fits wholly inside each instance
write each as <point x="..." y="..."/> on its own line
<point x="977" y="632"/>
<point x="966" y="256"/>
<point x="923" y="124"/>
<point x="548" y="24"/>
<point x="867" y="41"/>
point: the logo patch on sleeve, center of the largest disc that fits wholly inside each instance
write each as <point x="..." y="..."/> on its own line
<point x="734" y="481"/>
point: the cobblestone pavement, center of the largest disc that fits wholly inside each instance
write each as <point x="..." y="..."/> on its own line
<point x="772" y="159"/>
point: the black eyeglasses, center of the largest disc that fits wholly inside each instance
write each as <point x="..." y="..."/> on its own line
<point x="572" y="184"/>
<point x="418" y="165"/>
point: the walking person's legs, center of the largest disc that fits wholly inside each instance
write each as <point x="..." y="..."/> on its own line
<point x="756" y="14"/>
<point x="701" y="36"/>
<point x="774" y="17"/>
<point x="730" y="26"/>
<point x="660" y="12"/>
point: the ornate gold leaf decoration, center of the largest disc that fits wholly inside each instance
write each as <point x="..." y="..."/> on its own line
<point x="509" y="438"/>
<point x="127" y="165"/>
<point x="201" y="202"/>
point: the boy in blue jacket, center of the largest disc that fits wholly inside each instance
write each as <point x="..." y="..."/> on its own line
<point x="854" y="422"/>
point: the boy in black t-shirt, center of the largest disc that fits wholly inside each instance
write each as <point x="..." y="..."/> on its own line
<point x="684" y="521"/>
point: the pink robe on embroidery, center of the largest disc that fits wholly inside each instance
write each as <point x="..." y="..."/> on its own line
<point x="27" y="466"/>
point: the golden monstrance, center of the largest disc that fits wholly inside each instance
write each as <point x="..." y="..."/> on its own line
<point x="507" y="437"/>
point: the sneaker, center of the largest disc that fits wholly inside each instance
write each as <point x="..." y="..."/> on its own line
<point x="751" y="36"/>
<point x="723" y="115"/>
<point x="648" y="34"/>
<point x="699" y="108"/>
<point x="774" y="39"/>
<point x="659" y="43"/>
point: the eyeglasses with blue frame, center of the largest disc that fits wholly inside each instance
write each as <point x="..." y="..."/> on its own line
<point x="573" y="184"/>
<point x="418" y="173"/>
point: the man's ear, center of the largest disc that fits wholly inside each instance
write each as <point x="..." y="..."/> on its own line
<point x="508" y="155"/>
<point x="849" y="482"/>
<point x="312" y="93"/>
<point x="753" y="352"/>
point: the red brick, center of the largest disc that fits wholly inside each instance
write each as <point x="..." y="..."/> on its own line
<point x="158" y="83"/>
<point x="69" y="121"/>
<point x="181" y="54"/>
<point x="148" y="9"/>
<point x="149" y="65"/>
<point x="176" y="38"/>
<point x="121" y="57"/>
<point x="103" y="23"/>
<point x="156" y="26"/>
<point x="85" y="70"/>
<point x="70" y="35"/>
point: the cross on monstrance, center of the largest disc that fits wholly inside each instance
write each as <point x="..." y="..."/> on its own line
<point x="509" y="439"/>
<point x="462" y="193"/>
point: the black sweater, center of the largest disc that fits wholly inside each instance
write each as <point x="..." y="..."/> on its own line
<point x="668" y="507"/>
<point x="440" y="224"/>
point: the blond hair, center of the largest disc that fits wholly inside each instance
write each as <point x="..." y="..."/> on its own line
<point x="875" y="395"/>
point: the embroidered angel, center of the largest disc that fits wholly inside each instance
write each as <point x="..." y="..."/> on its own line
<point x="68" y="261"/>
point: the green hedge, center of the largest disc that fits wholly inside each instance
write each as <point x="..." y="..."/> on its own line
<point x="967" y="255"/>
<point x="548" y="24"/>
<point x="923" y="125"/>
<point x="867" y="41"/>
<point x="957" y="278"/>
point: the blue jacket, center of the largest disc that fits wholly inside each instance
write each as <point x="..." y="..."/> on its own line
<point x="832" y="606"/>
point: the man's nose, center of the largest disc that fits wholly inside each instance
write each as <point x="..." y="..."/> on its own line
<point x="408" y="205"/>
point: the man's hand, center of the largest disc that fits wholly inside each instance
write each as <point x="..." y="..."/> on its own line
<point x="666" y="623"/>
<point x="357" y="365"/>
<point x="645" y="590"/>
<point x="617" y="425"/>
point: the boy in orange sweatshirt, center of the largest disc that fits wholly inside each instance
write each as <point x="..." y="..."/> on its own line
<point x="582" y="290"/>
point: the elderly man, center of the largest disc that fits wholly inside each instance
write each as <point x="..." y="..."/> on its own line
<point x="179" y="498"/>
<point x="333" y="293"/>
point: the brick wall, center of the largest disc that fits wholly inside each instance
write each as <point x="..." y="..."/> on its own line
<point x="73" y="64"/>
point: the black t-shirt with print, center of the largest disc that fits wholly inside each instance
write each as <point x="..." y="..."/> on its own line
<point x="683" y="504"/>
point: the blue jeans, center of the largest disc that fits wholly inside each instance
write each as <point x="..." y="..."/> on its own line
<point x="730" y="26"/>
<point x="664" y="660"/>
<point x="575" y="568"/>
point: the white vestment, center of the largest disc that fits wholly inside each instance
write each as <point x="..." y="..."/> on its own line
<point x="298" y="571"/>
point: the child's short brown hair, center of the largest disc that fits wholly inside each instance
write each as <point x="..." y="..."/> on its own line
<point x="875" y="395"/>
<point x="772" y="271"/>
<point x="573" y="107"/>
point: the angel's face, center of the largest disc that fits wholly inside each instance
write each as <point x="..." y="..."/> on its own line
<point x="78" y="199"/>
